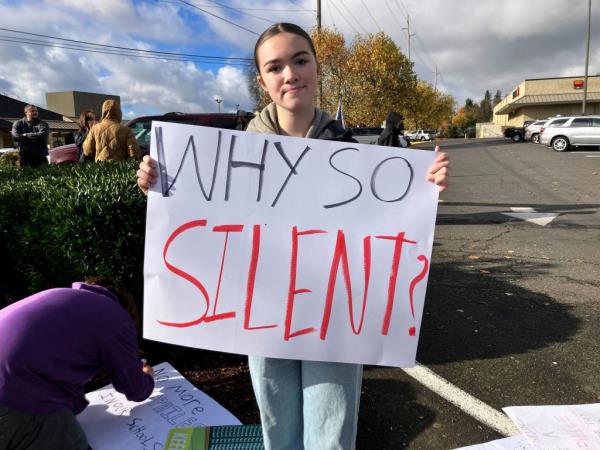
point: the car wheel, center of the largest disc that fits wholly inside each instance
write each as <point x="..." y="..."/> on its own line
<point x="535" y="138"/>
<point x="560" y="144"/>
<point x="516" y="137"/>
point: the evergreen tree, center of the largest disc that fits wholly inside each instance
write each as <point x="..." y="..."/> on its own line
<point x="485" y="107"/>
<point x="497" y="98"/>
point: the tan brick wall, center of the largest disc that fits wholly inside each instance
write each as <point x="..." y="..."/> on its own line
<point x="483" y="130"/>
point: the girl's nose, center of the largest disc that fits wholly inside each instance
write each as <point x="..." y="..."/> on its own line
<point x="290" y="74"/>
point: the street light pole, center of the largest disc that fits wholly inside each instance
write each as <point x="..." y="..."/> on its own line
<point x="587" y="57"/>
<point x="219" y="101"/>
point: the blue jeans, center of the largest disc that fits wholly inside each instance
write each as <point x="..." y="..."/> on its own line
<point x="308" y="405"/>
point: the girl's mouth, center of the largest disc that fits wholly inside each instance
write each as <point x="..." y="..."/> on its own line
<point x="294" y="90"/>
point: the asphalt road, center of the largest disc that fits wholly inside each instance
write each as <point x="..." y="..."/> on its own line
<point x="512" y="308"/>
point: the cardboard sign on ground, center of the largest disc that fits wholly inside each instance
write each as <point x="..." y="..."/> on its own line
<point x="111" y="422"/>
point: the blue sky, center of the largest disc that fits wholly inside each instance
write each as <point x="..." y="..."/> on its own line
<point x="475" y="44"/>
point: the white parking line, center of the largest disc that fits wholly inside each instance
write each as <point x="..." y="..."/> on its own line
<point x="592" y="156"/>
<point x="474" y="407"/>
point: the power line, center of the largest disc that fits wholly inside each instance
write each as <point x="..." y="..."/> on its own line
<point x="246" y="9"/>
<point x="404" y="11"/>
<point x="40" y="43"/>
<point x="301" y="7"/>
<point x="344" y="17"/>
<point x="219" y="17"/>
<point x="371" y="15"/>
<point x="116" y="47"/>
<point x="343" y="3"/>
<point x="240" y="11"/>
<point x="331" y="15"/>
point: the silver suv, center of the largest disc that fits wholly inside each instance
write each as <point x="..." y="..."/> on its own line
<point x="576" y="131"/>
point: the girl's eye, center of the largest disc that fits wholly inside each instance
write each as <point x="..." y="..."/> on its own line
<point x="273" y="68"/>
<point x="301" y="61"/>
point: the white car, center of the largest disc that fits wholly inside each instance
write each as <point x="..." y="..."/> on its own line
<point x="419" y="135"/>
<point x="532" y="131"/>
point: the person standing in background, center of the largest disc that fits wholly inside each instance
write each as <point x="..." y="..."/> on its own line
<point x="109" y="140"/>
<point x="391" y="136"/>
<point x="87" y="119"/>
<point x="31" y="135"/>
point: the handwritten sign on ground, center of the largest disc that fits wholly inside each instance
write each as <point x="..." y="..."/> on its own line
<point x="287" y="247"/>
<point x="559" y="427"/>
<point x="510" y="443"/>
<point x="111" y="422"/>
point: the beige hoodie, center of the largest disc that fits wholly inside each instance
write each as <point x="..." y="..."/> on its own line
<point x="109" y="140"/>
<point x="266" y="122"/>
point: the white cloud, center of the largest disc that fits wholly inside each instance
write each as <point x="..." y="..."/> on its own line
<point x="477" y="45"/>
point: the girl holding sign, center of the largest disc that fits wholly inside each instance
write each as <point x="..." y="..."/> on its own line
<point x="303" y="404"/>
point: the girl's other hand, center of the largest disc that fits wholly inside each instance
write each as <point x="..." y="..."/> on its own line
<point x="438" y="171"/>
<point x="147" y="174"/>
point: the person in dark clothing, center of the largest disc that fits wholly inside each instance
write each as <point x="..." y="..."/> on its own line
<point x="87" y="119"/>
<point x="394" y="126"/>
<point x="31" y="134"/>
<point x="53" y="343"/>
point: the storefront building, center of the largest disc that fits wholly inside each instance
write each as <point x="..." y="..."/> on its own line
<point x="541" y="98"/>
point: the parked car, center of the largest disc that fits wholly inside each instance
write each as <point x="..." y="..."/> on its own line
<point x="141" y="126"/>
<point x="366" y="135"/>
<point x="574" y="132"/>
<point x="64" y="154"/>
<point x="517" y="134"/>
<point x="532" y="131"/>
<point x="420" y="135"/>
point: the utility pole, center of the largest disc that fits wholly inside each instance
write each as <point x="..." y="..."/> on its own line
<point x="408" y="34"/>
<point x="587" y="57"/>
<point x="436" y="72"/>
<point x="319" y="15"/>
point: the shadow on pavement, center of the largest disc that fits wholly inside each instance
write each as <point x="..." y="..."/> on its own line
<point x="470" y="314"/>
<point x="390" y="417"/>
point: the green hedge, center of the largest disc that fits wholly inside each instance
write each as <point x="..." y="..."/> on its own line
<point x="61" y="223"/>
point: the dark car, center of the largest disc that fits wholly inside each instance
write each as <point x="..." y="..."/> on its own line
<point x="141" y="126"/>
<point x="517" y="134"/>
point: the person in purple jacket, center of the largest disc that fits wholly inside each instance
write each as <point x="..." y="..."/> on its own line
<point x="51" y="344"/>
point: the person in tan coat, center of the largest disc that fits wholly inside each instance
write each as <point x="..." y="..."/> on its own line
<point x="109" y="140"/>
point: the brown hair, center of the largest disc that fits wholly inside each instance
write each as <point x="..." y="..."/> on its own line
<point x="85" y="117"/>
<point x="126" y="299"/>
<point x="277" y="28"/>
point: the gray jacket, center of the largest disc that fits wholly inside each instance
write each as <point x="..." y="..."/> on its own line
<point x="32" y="137"/>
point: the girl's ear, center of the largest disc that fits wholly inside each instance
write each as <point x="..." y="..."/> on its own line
<point x="261" y="83"/>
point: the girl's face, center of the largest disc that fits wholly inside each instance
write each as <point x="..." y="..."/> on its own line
<point x="288" y="71"/>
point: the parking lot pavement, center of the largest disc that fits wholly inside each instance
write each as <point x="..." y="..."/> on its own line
<point x="512" y="305"/>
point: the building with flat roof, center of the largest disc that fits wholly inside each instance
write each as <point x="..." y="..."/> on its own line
<point x="539" y="98"/>
<point x="71" y="103"/>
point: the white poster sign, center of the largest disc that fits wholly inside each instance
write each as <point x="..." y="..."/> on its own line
<point x="111" y="422"/>
<point x="559" y="427"/>
<point x="287" y="247"/>
<point x="509" y="443"/>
